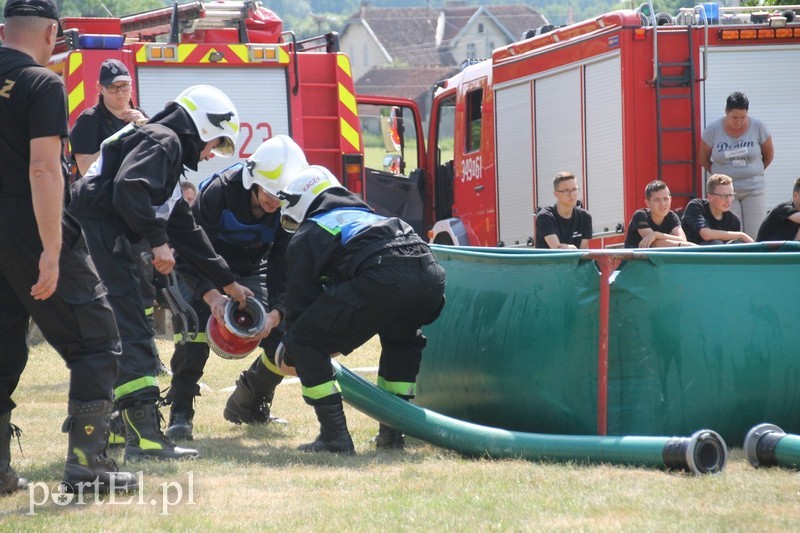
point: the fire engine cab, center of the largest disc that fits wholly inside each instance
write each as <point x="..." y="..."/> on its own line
<point x="619" y="100"/>
<point x="279" y="85"/>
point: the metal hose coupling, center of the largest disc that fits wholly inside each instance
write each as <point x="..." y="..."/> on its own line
<point x="704" y="452"/>
<point x="769" y="445"/>
<point x="234" y="338"/>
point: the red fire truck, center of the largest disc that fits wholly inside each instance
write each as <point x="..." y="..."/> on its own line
<point x="279" y="85"/>
<point x="620" y="100"/>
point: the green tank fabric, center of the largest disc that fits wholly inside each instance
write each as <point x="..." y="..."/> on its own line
<point x="698" y="338"/>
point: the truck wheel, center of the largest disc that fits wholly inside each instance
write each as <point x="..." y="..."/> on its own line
<point x="443" y="238"/>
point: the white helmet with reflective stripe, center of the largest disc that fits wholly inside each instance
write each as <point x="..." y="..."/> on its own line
<point x="214" y="116"/>
<point x="274" y="164"/>
<point x="301" y="192"/>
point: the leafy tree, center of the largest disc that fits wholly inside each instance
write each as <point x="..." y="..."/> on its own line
<point x="107" y="8"/>
<point x="295" y="10"/>
<point x="769" y="2"/>
<point x="335" y="6"/>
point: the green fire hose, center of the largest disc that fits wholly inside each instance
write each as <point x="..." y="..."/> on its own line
<point x="704" y="452"/>
<point x="769" y="445"/>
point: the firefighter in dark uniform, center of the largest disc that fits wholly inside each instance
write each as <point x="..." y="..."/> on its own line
<point x="240" y="212"/>
<point x="114" y="110"/>
<point x="131" y="193"/>
<point x="352" y="275"/>
<point x="45" y="269"/>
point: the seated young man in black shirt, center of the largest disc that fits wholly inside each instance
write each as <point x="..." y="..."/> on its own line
<point x="655" y="225"/>
<point x="564" y="225"/>
<point x="783" y="222"/>
<point x="710" y="221"/>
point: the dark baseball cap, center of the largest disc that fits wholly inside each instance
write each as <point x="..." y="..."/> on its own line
<point x="33" y="8"/>
<point x="112" y="71"/>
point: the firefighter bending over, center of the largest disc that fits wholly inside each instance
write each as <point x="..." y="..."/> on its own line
<point x="352" y="275"/>
<point x="240" y="212"/>
<point x="131" y="193"/>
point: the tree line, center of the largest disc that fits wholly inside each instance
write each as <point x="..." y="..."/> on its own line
<point x="313" y="17"/>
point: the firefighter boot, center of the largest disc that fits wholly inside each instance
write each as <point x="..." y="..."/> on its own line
<point x="144" y="438"/>
<point x="162" y="370"/>
<point x="333" y="435"/>
<point x="9" y="480"/>
<point x="180" y="421"/>
<point x="116" y="436"/>
<point x="250" y="402"/>
<point x="389" y="438"/>
<point x="87" y="465"/>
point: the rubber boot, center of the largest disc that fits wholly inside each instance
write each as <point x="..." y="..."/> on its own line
<point x="250" y="402"/>
<point x="180" y="424"/>
<point x="333" y="435"/>
<point x="162" y="370"/>
<point x="144" y="438"/>
<point x="87" y="465"/>
<point x="116" y="437"/>
<point x="389" y="438"/>
<point x="9" y="480"/>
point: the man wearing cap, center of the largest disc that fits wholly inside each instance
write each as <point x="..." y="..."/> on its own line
<point x="114" y="110"/>
<point x="45" y="269"/>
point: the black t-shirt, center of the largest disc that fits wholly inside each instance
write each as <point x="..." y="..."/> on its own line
<point x="697" y="216"/>
<point x="642" y="219"/>
<point x="33" y="104"/>
<point x="777" y="226"/>
<point x="569" y="230"/>
<point x="93" y="126"/>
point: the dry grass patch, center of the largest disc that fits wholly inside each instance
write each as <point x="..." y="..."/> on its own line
<point x="252" y="477"/>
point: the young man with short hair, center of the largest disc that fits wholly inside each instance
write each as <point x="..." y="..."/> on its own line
<point x="710" y="220"/>
<point x="655" y="225"/>
<point x="564" y="225"/>
<point x="783" y="222"/>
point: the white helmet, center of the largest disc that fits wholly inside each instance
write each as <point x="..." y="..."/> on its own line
<point x="298" y="195"/>
<point x="213" y="114"/>
<point x="274" y="164"/>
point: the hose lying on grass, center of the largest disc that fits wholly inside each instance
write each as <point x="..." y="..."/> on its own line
<point x="769" y="445"/>
<point x="704" y="452"/>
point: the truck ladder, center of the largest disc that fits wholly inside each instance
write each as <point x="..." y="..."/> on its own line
<point x="191" y="15"/>
<point x="676" y="97"/>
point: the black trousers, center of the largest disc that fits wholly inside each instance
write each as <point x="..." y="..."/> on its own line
<point x="77" y="320"/>
<point x="189" y="359"/>
<point x="393" y="300"/>
<point x="118" y="268"/>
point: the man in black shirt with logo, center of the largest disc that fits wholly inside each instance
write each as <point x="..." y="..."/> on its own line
<point x="564" y="225"/>
<point x="45" y="269"/>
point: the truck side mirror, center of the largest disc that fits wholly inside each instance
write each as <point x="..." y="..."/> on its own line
<point x="392" y="130"/>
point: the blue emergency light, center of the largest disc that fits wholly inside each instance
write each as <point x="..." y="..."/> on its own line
<point x="100" y="42"/>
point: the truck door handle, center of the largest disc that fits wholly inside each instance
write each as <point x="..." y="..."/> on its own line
<point x="478" y="188"/>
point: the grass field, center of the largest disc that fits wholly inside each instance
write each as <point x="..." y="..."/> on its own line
<point x="252" y="477"/>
